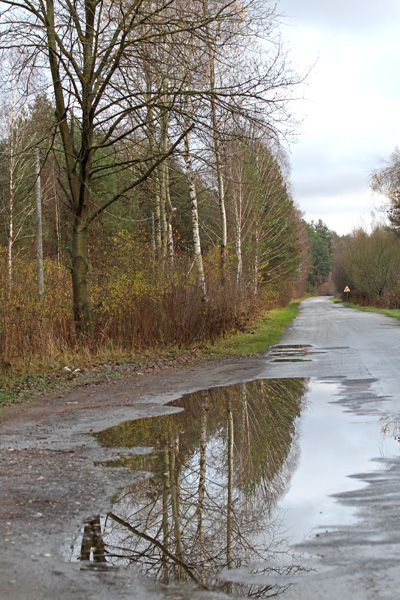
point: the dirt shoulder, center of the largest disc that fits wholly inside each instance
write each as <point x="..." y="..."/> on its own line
<point x="51" y="479"/>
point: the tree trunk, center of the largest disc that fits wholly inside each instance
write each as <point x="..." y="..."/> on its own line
<point x="11" y="167"/>
<point x="202" y="485"/>
<point x="157" y="215"/>
<point x="175" y="475"/>
<point x="10" y="232"/>
<point x="165" y="524"/>
<point x="195" y="218"/>
<point x="230" y="493"/>
<point x="57" y="221"/>
<point x="220" y="179"/>
<point x="211" y="41"/>
<point x="153" y="240"/>
<point x="39" y="229"/>
<point x="238" y="219"/>
<point x="170" y="247"/>
<point x="79" y="278"/>
<point x="164" y="185"/>
<point x="256" y="261"/>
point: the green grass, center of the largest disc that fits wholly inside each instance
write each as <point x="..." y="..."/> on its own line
<point x="389" y="312"/>
<point x="265" y="332"/>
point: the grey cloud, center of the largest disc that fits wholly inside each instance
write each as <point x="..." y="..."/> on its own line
<point x="340" y="14"/>
<point x="334" y="183"/>
<point x="317" y="177"/>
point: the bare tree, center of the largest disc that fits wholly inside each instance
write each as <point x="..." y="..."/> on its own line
<point x="261" y="208"/>
<point x="386" y="181"/>
<point x="106" y="103"/>
<point x="17" y="179"/>
<point x="89" y="48"/>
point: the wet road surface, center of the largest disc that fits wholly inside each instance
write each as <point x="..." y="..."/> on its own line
<point x="288" y="475"/>
<point x="361" y="351"/>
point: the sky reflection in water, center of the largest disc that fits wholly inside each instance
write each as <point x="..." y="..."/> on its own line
<point x="334" y="443"/>
<point x="232" y="473"/>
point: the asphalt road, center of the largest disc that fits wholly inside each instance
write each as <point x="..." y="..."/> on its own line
<point x="349" y="343"/>
<point x="49" y="482"/>
<point x="362" y="351"/>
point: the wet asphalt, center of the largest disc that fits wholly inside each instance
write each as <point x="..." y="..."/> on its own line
<point x="328" y="342"/>
<point x="361" y="351"/>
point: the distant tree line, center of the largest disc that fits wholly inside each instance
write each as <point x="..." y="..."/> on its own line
<point x="369" y="262"/>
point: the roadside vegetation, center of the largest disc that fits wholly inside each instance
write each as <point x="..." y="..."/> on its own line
<point x="261" y="335"/>
<point x="18" y="385"/>
<point x="145" y="202"/>
<point x="368" y="262"/>
<point x="145" y="199"/>
<point x="389" y="312"/>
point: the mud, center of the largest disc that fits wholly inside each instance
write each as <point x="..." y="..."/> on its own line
<point x="50" y="484"/>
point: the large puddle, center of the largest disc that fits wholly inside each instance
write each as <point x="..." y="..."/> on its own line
<point x="233" y="479"/>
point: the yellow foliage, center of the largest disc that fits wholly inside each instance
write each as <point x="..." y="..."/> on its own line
<point x="135" y="303"/>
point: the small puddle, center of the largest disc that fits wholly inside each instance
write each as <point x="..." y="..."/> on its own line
<point x="292" y="353"/>
<point x="231" y="480"/>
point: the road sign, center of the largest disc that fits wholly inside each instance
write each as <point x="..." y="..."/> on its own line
<point x="346" y="289"/>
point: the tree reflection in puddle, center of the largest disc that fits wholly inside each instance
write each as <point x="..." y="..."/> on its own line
<point x="216" y="473"/>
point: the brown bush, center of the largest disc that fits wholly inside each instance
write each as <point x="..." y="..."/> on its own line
<point x="133" y="307"/>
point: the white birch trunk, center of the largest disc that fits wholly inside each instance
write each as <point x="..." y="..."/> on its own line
<point x="220" y="178"/>
<point x="211" y="41"/>
<point x="165" y="524"/>
<point x="230" y="492"/>
<point x="10" y="241"/>
<point x="256" y="261"/>
<point x="170" y="247"/>
<point x="195" y="218"/>
<point x="238" y="241"/>
<point x="202" y="485"/>
<point x="11" y="168"/>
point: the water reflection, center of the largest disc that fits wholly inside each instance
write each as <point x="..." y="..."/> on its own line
<point x="92" y="545"/>
<point x="291" y="353"/>
<point x="390" y="427"/>
<point x="217" y="471"/>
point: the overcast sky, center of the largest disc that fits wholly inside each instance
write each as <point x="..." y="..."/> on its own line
<point x="351" y="109"/>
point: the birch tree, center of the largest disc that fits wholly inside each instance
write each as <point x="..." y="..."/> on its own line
<point x="17" y="178"/>
<point x="92" y="52"/>
<point x="263" y="212"/>
<point x="88" y="48"/>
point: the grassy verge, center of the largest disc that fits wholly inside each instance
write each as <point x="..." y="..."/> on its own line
<point x="389" y="312"/>
<point x="18" y="388"/>
<point x="265" y="332"/>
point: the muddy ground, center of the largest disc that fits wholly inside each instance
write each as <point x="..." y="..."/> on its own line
<point x="50" y="484"/>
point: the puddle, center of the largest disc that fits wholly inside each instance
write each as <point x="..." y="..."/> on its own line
<point x="296" y="347"/>
<point x="335" y="444"/>
<point x="292" y="353"/>
<point x="291" y="360"/>
<point x="231" y="480"/>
